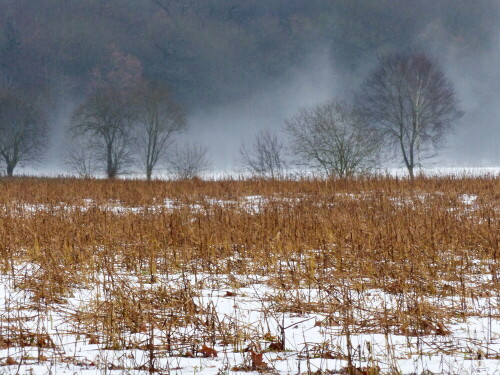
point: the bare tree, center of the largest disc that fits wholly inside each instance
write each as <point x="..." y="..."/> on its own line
<point x="189" y="161"/>
<point x="23" y="128"/>
<point x="409" y="101"/>
<point x="158" y="118"/>
<point x="331" y="138"/>
<point x="103" y="122"/>
<point x="265" y="156"/>
<point x="80" y="157"/>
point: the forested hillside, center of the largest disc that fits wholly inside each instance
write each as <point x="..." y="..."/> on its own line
<point x="208" y="51"/>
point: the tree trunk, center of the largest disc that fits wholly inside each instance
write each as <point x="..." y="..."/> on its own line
<point x="10" y="169"/>
<point x="408" y="160"/>
<point x="110" y="169"/>
<point x="410" y="171"/>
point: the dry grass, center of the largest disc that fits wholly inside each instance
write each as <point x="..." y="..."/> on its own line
<point x="416" y="241"/>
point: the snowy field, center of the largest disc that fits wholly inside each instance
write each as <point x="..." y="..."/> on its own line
<point x="234" y="313"/>
<point x="238" y="317"/>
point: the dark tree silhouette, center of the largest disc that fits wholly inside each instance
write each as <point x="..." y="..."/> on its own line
<point x="23" y="128"/>
<point x="103" y="122"/>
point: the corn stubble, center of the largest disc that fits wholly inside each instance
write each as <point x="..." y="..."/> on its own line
<point x="146" y="250"/>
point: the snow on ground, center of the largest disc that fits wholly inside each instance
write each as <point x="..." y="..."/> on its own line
<point x="251" y="204"/>
<point x="230" y="313"/>
<point x="38" y="337"/>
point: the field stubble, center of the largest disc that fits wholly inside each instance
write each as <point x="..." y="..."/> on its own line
<point x="363" y="276"/>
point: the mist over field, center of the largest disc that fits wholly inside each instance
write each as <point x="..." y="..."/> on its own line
<point x="239" y="67"/>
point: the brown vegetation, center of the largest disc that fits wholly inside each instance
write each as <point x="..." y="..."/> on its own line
<point x="415" y="240"/>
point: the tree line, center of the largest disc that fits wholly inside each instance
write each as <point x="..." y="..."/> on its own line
<point x="402" y="110"/>
<point x="205" y="52"/>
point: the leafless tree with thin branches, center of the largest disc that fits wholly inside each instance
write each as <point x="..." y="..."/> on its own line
<point x="411" y="104"/>
<point x="157" y="119"/>
<point x="80" y="157"/>
<point x="331" y="138"/>
<point x="189" y="161"/>
<point x="265" y="156"/>
<point x="103" y="124"/>
<point x="23" y="128"/>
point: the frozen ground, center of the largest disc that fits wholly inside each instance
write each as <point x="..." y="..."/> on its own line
<point x="231" y="313"/>
<point x="119" y="321"/>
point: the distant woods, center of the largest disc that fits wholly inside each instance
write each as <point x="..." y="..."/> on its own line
<point x="135" y="68"/>
<point x="209" y="51"/>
